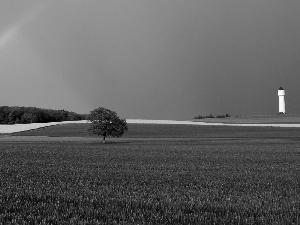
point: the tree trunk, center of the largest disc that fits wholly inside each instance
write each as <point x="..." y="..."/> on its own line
<point x="103" y="139"/>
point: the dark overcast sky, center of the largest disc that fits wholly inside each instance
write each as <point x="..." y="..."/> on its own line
<point x="151" y="59"/>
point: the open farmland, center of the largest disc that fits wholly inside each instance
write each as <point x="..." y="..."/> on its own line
<point x="293" y="118"/>
<point x="156" y="174"/>
<point x="170" y="131"/>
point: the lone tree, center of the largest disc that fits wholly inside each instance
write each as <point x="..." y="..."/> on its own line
<point x="105" y="122"/>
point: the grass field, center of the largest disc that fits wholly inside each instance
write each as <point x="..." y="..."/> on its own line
<point x="170" y="131"/>
<point x="156" y="174"/>
<point x="293" y="118"/>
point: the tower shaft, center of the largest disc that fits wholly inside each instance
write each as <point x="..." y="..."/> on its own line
<point x="281" y="94"/>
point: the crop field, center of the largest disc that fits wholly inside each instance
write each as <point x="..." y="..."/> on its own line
<point x="293" y="118"/>
<point x="170" y="131"/>
<point x="156" y="174"/>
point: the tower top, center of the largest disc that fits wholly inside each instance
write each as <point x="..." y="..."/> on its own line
<point x="280" y="88"/>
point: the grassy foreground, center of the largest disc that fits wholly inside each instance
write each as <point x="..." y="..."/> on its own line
<point x="222" y="178"/>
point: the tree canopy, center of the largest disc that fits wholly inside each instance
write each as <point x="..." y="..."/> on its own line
<point x="105" y="122"/>
<point x="16" y="114"/>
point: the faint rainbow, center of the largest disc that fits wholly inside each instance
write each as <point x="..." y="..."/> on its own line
<point x="28" y="17"/>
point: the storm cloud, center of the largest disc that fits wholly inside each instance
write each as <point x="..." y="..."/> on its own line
<point x="151" y="59"/>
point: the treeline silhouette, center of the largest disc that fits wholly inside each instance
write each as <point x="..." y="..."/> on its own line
<point x="16" y="114"/>
<point x="211" y="116"/>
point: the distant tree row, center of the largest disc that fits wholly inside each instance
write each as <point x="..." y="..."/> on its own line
<point x="211" y="116"/>
<point x="16" y="114"/>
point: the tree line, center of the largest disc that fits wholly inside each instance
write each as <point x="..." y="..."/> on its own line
<point x="16" y="114"/>
<point x="211" y="116"/>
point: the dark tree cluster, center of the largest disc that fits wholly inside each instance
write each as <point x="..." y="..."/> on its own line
<point x="16" y="114"/>
<point x="211" y="116"/>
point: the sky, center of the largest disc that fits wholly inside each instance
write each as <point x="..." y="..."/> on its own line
<point x="151" y="59"/>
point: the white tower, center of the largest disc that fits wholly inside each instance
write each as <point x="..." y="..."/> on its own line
<point x="281" y="95"/>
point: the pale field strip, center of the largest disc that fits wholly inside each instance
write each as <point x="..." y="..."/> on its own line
<point x="8" y="129"/>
